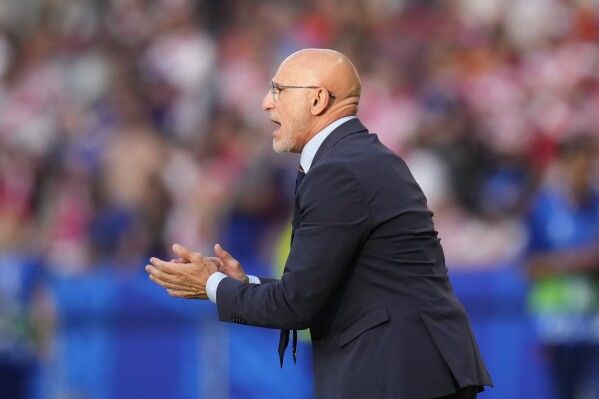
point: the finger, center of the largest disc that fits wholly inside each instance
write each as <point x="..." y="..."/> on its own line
<point x="187" y="254"/>
<point x="152" y="270"/>
<point x="158" y="276"/>
<point x="222" y="254"/>
<point x="161" y="265"/>
<point x="179" y="261"/>
<point x="170" y="285"/>
<point x="158" y="281"/>
<point x="174" y="268"/>
<point x="165" y="276"/>
<point x="217" y="261"/>
<point x="212" y="266"/>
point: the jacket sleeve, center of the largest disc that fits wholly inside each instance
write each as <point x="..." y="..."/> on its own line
<point x="334" y="223"/>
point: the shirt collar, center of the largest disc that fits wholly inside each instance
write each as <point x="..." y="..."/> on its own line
<point x="310" y="149"/>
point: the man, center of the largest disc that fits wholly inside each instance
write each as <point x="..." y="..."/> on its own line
<point x="366" y="270"/>
<point x="563" y="264"/>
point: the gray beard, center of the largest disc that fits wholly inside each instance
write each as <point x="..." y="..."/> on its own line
<point x="285" y="145"/>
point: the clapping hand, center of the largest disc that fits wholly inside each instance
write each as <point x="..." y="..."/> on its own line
<point x="186" y="277"/>
<point x="229" y="265"/>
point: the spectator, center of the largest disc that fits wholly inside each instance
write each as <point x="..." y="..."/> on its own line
<point x="564" y="267"/>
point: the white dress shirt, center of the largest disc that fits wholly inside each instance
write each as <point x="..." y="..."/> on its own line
<point x="306" y="158"/>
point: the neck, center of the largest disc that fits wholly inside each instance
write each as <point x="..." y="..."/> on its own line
<point x="321" y="123"/>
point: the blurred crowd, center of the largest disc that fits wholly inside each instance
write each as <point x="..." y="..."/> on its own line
<point x="128" y="125"/>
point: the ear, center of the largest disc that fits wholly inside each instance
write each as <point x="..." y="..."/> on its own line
<point x="320" y="101"/>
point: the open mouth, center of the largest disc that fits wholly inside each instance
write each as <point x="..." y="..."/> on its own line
<point x="278" y="124"/>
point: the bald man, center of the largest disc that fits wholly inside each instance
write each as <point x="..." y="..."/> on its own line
<point x="366" y="272"/>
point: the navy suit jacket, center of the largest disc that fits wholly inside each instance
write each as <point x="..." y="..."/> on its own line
<point x="366" y="273"/>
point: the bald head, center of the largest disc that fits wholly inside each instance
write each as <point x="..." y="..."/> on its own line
<point x="329" y="69"/>
<point x="311" y="89"/>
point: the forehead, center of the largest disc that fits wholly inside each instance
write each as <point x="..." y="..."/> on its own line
<point x="281" y="76"/>
<point x="288" y="72"/>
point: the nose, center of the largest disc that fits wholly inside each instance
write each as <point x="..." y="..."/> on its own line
<point x="268" y="102"/>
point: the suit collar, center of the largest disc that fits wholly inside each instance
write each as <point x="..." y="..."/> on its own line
<point x="346" y="129"/>
<point x="315" y="142"/>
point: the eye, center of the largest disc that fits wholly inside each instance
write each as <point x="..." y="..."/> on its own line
<point x="274" y="91"/>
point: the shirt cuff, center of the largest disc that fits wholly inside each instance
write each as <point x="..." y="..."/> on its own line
<point x="253" y="280"/>
<point x="212" y="285"/>
<point x="215" y="279"/>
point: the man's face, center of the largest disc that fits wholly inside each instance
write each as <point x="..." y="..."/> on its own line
<point x="290" y="109"/>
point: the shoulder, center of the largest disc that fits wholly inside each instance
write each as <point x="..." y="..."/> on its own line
<point x="332" y="182"/>
<point x="358" y="149"/>
<point x="331" y="172"/>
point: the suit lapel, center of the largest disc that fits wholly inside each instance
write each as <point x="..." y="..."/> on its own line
<point x="348" y="128"/>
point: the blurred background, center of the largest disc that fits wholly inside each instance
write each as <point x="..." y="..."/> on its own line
<point x="128" y="125"/>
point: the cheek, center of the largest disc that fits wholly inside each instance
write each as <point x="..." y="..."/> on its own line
<point x="287" y="120"/>
<point x="297" y="115"/>
<point x="293" y="118"/>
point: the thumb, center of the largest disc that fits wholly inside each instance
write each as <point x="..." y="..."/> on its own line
<point x="221" y="253"/>
<point x="187" y="254"/>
